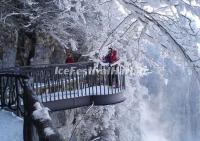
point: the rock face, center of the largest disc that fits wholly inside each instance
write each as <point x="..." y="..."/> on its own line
<point x="99" y="123"/>
<point x="47" y="50"/>
<point x="25" y="48"/>
<point x="20" y="48"/>
<point x="8" y="46"/>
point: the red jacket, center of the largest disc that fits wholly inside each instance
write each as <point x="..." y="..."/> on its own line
<point x="69" y="59"/>
<point x="112" y="57"/>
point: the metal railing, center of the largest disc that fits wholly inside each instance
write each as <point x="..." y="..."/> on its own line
<point x="79" y="80"/>
<point x="11" y="94"/>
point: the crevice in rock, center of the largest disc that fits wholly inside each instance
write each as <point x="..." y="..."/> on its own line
<point x="25" y="47"/>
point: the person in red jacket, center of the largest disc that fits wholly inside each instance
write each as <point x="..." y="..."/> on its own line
<point x="111" y="58"/>
<point x="70" y="58"/>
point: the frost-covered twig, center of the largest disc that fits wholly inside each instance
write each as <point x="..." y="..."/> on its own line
<point x="150" y="18"/>
<point x="139" y="38"/>
<point x="95" y="139"/>
<point x="124" y="32"/>
<point x="102" y="3"/>
<point x="74" y="130"/>
<point x="113" y="31"/>
<point x="14" y="14"/>
<point x="147" y="16"/>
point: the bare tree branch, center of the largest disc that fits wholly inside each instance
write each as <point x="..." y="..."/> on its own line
<point x="113" y="31"/>
<point x="75" y="127"/>
<point x="150" y="18"/>
<point x="124" y="32"/>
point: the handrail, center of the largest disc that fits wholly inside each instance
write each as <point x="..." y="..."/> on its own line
<point x="51" y="87"/>
<point x="10" y="95"/>
<point x="78" y="65"/>
<point x="14" y="74"/>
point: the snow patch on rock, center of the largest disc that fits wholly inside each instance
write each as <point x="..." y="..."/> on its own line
<point x="48" y="131"/>
<point x="41" y="113"/>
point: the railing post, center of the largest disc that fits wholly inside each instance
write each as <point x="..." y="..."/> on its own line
<point x="88" y="79"/>
<point x="1" y="92"/>
<point x="17" y="95"/>
<point x="124" y="79"/>
<point x="28" y="126"/>
<point x="27" y="130"/>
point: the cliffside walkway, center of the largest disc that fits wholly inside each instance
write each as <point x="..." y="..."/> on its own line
<point x="28" y="90"/>
<point x="66" y="86"/>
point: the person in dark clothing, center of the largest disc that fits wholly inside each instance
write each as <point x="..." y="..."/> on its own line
<point x="70" y="58"/>
<point x="111" y="58"/>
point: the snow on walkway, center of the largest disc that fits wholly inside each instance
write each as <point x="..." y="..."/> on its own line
<point x="95" y="90"/>
<point x="11" y="127"/>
